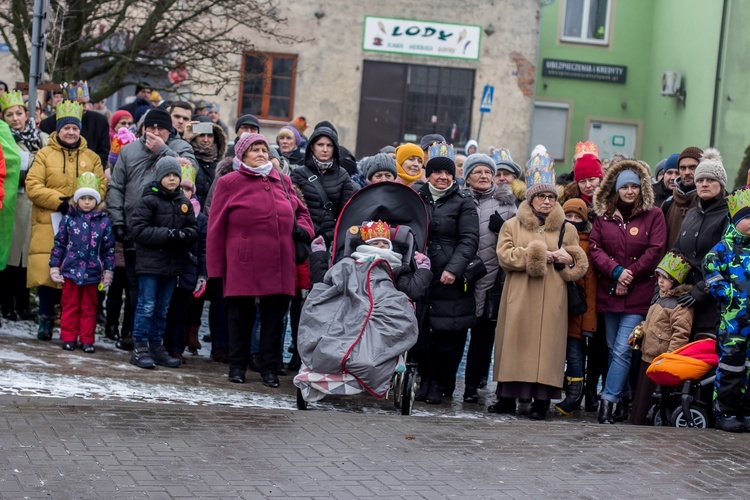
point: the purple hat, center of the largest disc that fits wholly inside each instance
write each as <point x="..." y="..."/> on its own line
<point x="245" y="142"/>
<point x="293" y="130"/>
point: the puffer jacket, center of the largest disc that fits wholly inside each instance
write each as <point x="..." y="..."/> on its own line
<point x="667" y="325"/>
<point x="206" y="172"/>
<point x="133" y="172"/>
<point x="53" y="176"/>
<point x="726" y="270"/>
<point x="701" y="230"/>
<point x="637" y="244"/>
<point x="498" y="199"/>
<point x="452" y="242"/>
<point x="336" y="183"/>
<point x="150" y="223"/>
<point x="84" y="247"/>
<point x="195" y="263"/>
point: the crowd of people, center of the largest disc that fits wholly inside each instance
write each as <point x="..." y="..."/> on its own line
<point x="139" y="218"/>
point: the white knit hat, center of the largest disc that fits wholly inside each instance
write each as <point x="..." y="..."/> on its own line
<point x="711" y="167"/>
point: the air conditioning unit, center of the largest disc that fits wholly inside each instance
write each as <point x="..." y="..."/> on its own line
<point x="671" y="83"/>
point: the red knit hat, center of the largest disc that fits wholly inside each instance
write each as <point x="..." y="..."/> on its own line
<point x="587" y="166"/>
<point x="117" y="116"/>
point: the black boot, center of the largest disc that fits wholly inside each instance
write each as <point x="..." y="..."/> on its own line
<point x="504" y="406"/>
<point x="591" y="400"/>
<point x="471" y="395"/>
<point x="622" y="412"/>
<point x="573" y="395"/>
<point x="112" y="332"/>
<point x="141" y="356"/>
<point x="539" y="409"/>
<point x="606" y="409"/>
<point x="161" y="356"/>
<point x="424" y="386"/>
<point x="434" y="393"/>
<point x="46" y="323"/>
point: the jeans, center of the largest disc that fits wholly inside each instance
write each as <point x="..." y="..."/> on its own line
<point x="154" y="294"/>
<point x="574" y="358"/>
<point x="619" y="326"/>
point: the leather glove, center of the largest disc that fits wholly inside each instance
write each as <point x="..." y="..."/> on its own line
<point x="65" y="205"/>
<point x="423" y="261"/>
<point x="686" y="300"/>
<point x="301" y="234"/>
<point x="107" y="278"/>
<point x="496" y="222"/>
<point x="54" y="273"/>
<point x="318" y="244"/>
<point x="121" y="234"/>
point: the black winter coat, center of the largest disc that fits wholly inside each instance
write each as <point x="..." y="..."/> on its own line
<point x="204" y="179"/>
<point x="157" y="213"/>
<point x="336" y="183"/>
<point x="700" y="231"/>
<point x="94" y="128"/>
<point x="452" y="243"/>
<point x="195" y="263"/>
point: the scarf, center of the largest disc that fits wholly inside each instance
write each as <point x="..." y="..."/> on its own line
<point x="366" y="253"/>
<point x="542" y="218"/>
<point x="626" y="209"/>
<point x="322" y="166"/>
<point x="437" y="193"/>
<point x="580" y="226"/>
<point x="585" y="199"/>
<point x="29" y="136"/>
<point x="408" y="179"/>
<point x="262" y="170"/>
<point x="205" y="154"/>
<point x="479" y="194"/>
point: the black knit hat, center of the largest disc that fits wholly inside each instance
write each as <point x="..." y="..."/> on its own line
<point x="439" y="163"/>
<point x="246" y="120"/>
<point x="158" y="117"/>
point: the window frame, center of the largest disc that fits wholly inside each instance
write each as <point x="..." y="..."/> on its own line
<point x="267" y="82"/>
<point x="584" y="22"/>
<point x="559" y="104"/>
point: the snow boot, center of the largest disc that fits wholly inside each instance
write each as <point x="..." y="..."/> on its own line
<point x="141" y="356"/>
<point x="112" y="332"/>
<point x="573" y="396"/>
<point x="538" y="410"/>
<point x="434" y="393"/>
<point x="161" y="356"/>
<point x="503" y="406"/>
<point x="46" y="323"/>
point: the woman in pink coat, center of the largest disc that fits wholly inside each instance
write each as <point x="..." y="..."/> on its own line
<point x="255" y="217"/>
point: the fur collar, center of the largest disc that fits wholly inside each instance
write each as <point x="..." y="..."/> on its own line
<point x="528" y="220"/>
<point x="677" y="291"/>
<point x="605" y="195"/>
<point x="519" y="189"/>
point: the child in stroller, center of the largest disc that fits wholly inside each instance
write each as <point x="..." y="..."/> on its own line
<point x="356" y="324"/>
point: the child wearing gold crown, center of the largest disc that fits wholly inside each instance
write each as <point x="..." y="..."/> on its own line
<point x="727" y="277"/>
<point x="666" y="328"/>
<point x="83" y="257"/>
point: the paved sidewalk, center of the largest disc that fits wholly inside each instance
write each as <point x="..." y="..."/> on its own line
<point x="67" y="448"/>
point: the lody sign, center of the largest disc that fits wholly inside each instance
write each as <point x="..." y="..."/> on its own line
<point x="421" y="38"/>
<point x="584" y="71"/>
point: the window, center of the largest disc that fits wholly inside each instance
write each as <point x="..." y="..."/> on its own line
<point x="586" y="21"/>
<point x="549" y="127"/>
<point x="267" y="85"/>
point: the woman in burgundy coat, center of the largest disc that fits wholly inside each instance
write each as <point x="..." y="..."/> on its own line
<point x="626" y="243"/>
<point x="251" y="234"/>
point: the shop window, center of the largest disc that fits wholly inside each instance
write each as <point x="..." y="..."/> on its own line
<point x="550" y="127"/>
<point x="267" y="85"/>
<point x="586" y="21"/>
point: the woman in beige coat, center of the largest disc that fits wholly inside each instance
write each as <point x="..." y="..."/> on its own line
<point x="532" y="323"/>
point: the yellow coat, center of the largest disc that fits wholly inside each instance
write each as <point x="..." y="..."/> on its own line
<point x="532" y="326"/>
<point x="51" y="177"/>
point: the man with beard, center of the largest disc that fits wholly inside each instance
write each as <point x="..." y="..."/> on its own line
<point x="684" y="196"/>
<point x="664" y="187"/>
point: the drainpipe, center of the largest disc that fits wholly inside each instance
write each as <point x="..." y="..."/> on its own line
<point x="714" y="115"/>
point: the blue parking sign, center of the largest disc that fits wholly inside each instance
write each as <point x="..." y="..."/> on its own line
<point x="487" y="94"/>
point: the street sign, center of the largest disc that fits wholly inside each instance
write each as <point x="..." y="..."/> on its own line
<point x="487" y="94"/>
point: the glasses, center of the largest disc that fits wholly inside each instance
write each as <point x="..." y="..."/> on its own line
<point x="542" y="196"/>
<point x="480" y="173"/>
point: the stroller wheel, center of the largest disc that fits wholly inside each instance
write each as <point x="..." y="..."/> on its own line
<point x="653" y="417"/>
<point x="301" y="403"/>
<point x="397" y="386"/>
<point x="409" y="391"/>
<point x="699" y="415"/>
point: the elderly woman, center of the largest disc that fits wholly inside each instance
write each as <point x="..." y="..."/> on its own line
<point x="452" y="243"/>
<point x="255" y="214"/>
<point x="627" y="242"/>
<point x="495" y="204"/>
<point x="288" y="140"/>
<point x="539" y="253"/>
<point x="50" y="184"/>
<point x="29" y="140"/>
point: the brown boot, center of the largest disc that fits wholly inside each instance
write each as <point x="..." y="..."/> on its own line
<point x="191" y="338"/>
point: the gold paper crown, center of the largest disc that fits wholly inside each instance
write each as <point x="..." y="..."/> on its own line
<point x="76" y="90"/>
<point x="70" y="109"/>
<point x="540" y="169"/>
<point x="188" y="173"/>
<point x="441" y="149"/>
<point x="675" y="267"/>
<point x="738" y="200"/>
<point x="11" y="98"/>
<point x="373" y="230"/>
<point x="586" y="147"/>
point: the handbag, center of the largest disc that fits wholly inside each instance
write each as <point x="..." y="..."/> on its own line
<point x="475" y="270"/>
<point x="576" y="294"/>
<point x="301" y="248"/>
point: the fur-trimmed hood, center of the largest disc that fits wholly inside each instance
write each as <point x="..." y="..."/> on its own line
<point x="677" y="291"/>
<point x="528" y="220"/>
<point x="605" y="196"/>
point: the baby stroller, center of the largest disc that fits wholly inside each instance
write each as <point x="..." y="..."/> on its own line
<point x="685" y="377"/>
<point x="347" y="343"/>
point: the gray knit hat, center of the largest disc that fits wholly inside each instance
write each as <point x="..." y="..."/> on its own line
<point x="711" y="167"/>
<point x="167" y="165"/>
<point x="477" y="159"/>
<point x="381" y="162"/>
